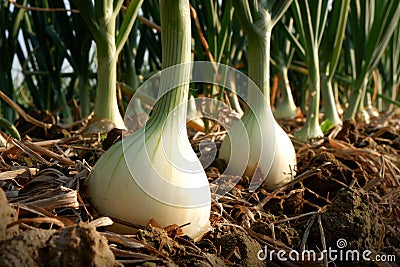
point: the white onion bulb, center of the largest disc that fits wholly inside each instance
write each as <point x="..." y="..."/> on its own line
<point x="264" y="147"/>
<point x="154" y="173"/>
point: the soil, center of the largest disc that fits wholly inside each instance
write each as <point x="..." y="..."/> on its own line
<point x="79" y="245"/>
<point x="8" y="215"/>
<point x="345" y="196"/>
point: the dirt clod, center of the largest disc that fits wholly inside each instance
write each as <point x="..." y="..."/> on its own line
<point x="7" y="216"/>
<point x="160" y="240"/>
<point x="349" y="132"/>
<point x="73" y="246"/>
<point x="288" y="235"/>
<point x="76" y="246"/>
<point x="354" y="216"/>
<point x="240" y="249"/>
<point x="23" y="250"/>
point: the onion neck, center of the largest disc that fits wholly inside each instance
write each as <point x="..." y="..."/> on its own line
<point x="285" y="107"/>
<point x="328" y="99"/>
<point x="258" y="67"/>
<point x="106" y="99"/>
<point x="176" y="49"/>
<point x="357" y="93"/>
<point x="311" y="128"/>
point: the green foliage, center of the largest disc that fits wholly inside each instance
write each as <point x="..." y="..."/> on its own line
<point x="326" y="125"/>
<point x="61" y="53"/>
<point x="370" y="27"/>
<point x="389" y="68"/>
<point x="101" y="19"/>
<point x="42" y="57"/>
<point x="10" y="23"/>
<point x="70" y="29"/>
<point x="10" y="128"/>
<point x="281" y="58"/>
<point x="310" y="20"/>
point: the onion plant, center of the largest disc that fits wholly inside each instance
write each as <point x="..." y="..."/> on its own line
<point x="320" y="35"/>
<point x="310" y="18"/>
<point x="10" y="128"/>
<point x="42" y="59"/>
<point x="389" y="67"/>
<point x="154" y="173"/>
<point x="371" y="24"/>
<point x="10" y="22"/>
<point x="282" y="55"/>
<point x="329" y="56"/>
<point x="265" y="166"/>
<point x="73" y="37"/>
<point x="233" y="56"/>
<point x="100" y="17"/>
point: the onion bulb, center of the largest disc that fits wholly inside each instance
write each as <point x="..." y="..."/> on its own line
<point x="154" y="173"/>
<point x="270" y="158"/>
<point x="269" y="155"/>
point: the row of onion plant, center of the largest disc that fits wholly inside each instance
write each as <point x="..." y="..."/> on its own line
<point x="271" y="158"/>
<point x="101" y="19"/>
<point x="371" y="25"/>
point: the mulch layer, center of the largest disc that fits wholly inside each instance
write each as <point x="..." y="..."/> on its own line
<point x="344" y="197"/>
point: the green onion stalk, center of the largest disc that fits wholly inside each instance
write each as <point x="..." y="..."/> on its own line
<point x="263" y="165"/>
<point x="285" y="107"/>
<point x="10" y="22"/>
<point x="390" y="67"/>
<point x="371" y="24"/>
<point x="320" y="36"/>
<point x="311" y="128"/>
<point x="154" y="172"/>
<point x="329" y="56"/>
<point x="78" y="53"/>
<point x="100" y="17"/>
<point x="378" y="81"/>
<point x="230" y="45"/>
<point x="4" y="123"/>
<point x="43" y="57"/>
<point x="232" y="95"/>
<point x="282" y="55"/>
<point x="215" y="22"/>
<point x="310" y="19"/>
<point x="233" y="54"/>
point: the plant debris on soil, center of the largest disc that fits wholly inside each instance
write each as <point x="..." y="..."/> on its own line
<point x="345" y="195"/>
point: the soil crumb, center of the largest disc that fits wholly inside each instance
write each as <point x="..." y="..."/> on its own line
<point x="240" y="249"/>
<point x="73" y="246"/>
<point x="77" y="246"/>
<point x="353" y="218"/>
<point x="23" y="250"/>
<point x="7" y="215"/>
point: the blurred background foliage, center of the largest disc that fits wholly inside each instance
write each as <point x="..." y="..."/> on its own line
<point x="48" y="56"/>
